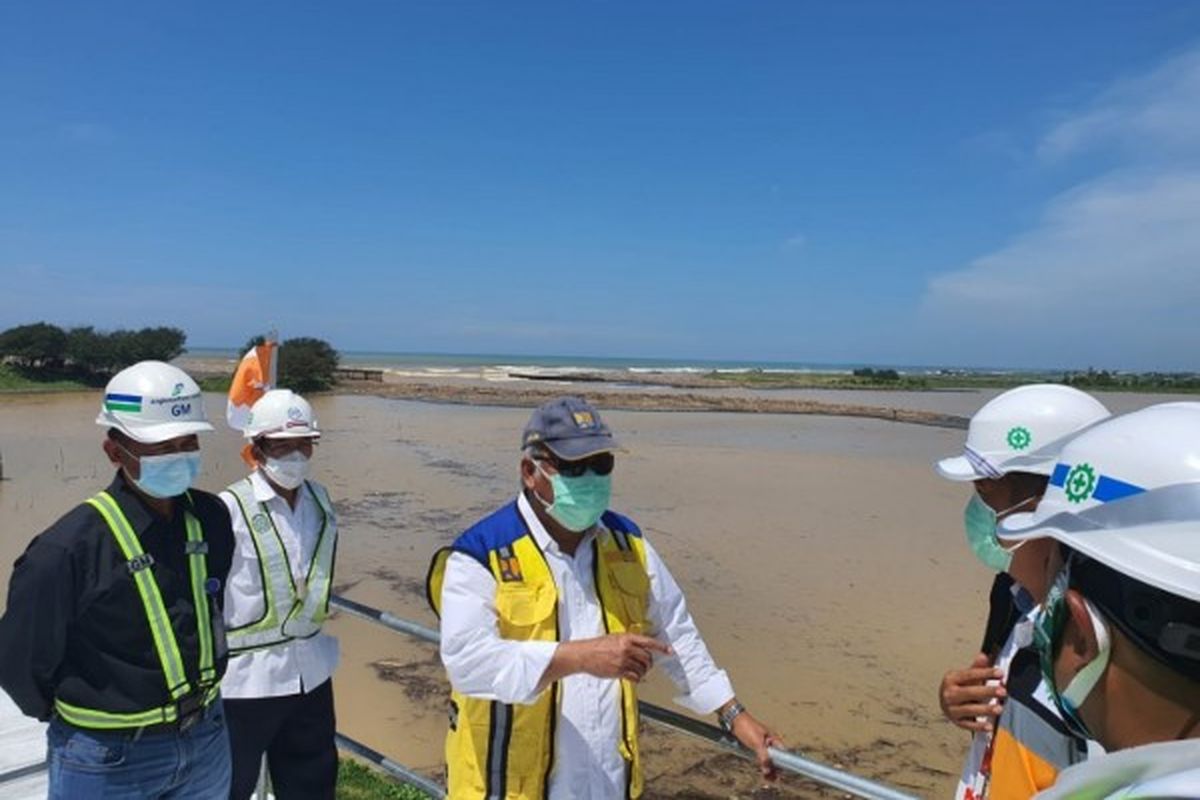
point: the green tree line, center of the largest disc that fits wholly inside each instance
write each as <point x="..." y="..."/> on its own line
<point x="85" y="351"/>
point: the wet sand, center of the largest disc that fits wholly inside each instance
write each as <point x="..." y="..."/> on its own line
<point x="821" y="557"/>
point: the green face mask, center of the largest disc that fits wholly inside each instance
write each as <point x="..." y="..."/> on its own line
<point x="979" y="521"/>
<point x="578" y="502"/>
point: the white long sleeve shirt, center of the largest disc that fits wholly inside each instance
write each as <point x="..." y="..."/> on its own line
<point x="587" y="762"/>
<point x="294" y="667"/>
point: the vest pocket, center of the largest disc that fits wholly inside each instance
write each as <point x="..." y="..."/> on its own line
<point x="630" y="577"/>
<point x="524" y="606"/>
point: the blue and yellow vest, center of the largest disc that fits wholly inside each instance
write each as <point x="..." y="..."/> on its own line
<point x="500" y="751"/>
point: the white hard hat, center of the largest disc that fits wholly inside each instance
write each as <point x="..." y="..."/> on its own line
<point x="281" y="414"/>
<point x="153" y="402"/>
<point x="1127" y="493"/>
<point x="1022" y="431"/>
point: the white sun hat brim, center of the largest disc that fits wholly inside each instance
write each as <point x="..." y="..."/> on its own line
<point x="957" y="468"/>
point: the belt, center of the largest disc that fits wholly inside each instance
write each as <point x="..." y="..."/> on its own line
<point x="189" y="709"/>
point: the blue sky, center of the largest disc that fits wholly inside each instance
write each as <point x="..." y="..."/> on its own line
<point x="1013" y="184"/>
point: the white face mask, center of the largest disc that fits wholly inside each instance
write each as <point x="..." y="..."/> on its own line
<point x="289" y="471"/>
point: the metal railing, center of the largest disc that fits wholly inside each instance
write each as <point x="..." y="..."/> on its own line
<point x="784" y="759"/>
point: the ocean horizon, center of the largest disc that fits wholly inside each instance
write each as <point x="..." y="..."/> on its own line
<point x="633" y="364"/>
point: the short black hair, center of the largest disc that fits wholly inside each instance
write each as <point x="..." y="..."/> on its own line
<point x="120" y="437"/>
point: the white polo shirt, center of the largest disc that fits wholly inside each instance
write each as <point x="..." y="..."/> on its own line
<point x="294" y="667"/>
<point x="587" y="761"/>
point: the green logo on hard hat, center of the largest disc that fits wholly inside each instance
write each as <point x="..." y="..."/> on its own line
<point x="1080" y="483"/>
<point x="1019" y="438"/>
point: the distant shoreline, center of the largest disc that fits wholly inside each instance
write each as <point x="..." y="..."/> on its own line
<point x="649" y="389"/>
<point x="528" y="397"/>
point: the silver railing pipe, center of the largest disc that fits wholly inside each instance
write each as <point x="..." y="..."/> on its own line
<point x="784" y="759"/>
<point x="397" y="771"/>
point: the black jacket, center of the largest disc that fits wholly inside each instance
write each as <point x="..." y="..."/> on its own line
<point x="75" y="626"/>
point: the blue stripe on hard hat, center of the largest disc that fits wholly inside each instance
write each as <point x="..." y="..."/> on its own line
<point x="123" y="398"/>
<point x="1059" y="476"/>
<point x="1107" y="489"/>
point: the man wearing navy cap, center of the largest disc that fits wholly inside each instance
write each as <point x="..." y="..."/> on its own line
<point x="552" y="610"/>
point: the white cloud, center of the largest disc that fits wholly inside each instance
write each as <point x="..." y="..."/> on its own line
<point x="1147" y="115"/>
<point x="1119" y="244"/>
<point x="1110" y="273"/>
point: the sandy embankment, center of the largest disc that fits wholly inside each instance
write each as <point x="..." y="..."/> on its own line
<point x="651" y="392"/>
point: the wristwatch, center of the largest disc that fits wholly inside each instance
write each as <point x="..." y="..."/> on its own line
<point x="727" y="716"/>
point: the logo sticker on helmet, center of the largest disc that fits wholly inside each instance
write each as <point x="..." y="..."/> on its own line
<point x="1080" y="483"/>
<point x="1019" y="438"/>
<point x="123" y="402"/>
<point x="178" y="390"/>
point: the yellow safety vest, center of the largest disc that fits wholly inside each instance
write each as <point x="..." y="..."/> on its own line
<point x="289" y="611"/>
<point x="165" y="645"/>
<point x="500" y="751"/>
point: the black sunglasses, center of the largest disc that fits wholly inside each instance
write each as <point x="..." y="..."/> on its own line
<point x="599" y="464"/>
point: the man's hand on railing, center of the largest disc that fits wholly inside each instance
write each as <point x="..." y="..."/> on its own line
<point x="757" y="737"/>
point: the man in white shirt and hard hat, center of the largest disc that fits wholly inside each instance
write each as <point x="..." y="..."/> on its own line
<point x="1119" y="633"/>
<point x="279" y="685"/>
<point x="1020" y="742"/>
<point x="553" y="609"/>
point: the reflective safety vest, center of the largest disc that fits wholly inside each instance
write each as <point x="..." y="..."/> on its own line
<point x="500" y="751"/>
<point x="292" y="608"/>
<point x="139" y="563"/>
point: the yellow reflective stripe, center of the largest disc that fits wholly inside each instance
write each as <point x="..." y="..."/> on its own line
<point x="273" y="567"/>
<point x="198" y="567"/>
<point x="319" y="578"/>
<point x="91" y="718"/>
<point x="156" y="612"/>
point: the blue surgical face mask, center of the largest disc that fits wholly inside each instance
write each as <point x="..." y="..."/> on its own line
<point x="979" y="521"/>
<point x="168" y="475"/>
<point x="578" y="502"/>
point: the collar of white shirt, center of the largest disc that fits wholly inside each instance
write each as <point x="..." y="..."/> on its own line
<point x="541" y="535"/>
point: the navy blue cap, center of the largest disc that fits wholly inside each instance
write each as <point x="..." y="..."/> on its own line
<point x="569" y="427"/>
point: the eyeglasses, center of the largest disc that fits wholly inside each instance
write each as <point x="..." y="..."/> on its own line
<point x="599" y="464"/>
<point x="282" y="447"/>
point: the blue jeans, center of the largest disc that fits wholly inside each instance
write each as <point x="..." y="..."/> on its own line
<point x="116" y="765"/>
